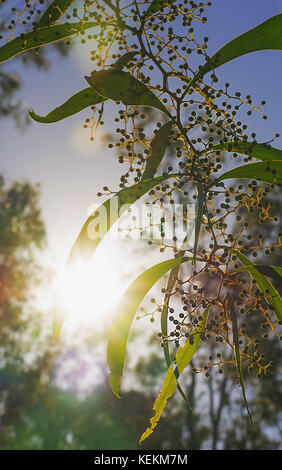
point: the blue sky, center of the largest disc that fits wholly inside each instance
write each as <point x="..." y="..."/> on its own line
<point x="69" y="174"/>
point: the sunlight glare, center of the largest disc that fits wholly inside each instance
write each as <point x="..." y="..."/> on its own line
<point x="89" y="291"/>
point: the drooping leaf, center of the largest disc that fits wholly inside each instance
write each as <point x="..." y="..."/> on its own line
<point x="54" y="12"/>
<point x="170" y="285"/>
<point x="259" y="151"/>
<point x="41" y="37"/>
<point x="274" y="272"/>
<point x="81" y="100"/>
<point x="156" y="6"/>
<point x="124" y="316"/>
<point x="107" y="214"/>
<point x="121" y="86"/>
<point x="269" y="172"/>
<point x="199" y="217"/>
<point x="183" y="358"/>
<point x="78" y="102"/>
<point x="158" y="148"/>
<point x="265" y="286"/>
<point x="265" y="36"/>
<point x="235" y="333"/>
<point x="164" y="315"/>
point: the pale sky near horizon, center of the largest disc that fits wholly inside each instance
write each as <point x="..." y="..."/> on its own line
<point x="58" y="156"/>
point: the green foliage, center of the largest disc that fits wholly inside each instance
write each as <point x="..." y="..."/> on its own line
<point x="252" y="149"/>
<point x="124" y="316"/>
<point x="236" y="344"/>
<point x="41" y="37"/>
<point x="270" y="172"/>
<point x="183" y="359"/>
<point x="81" y="100"/>
<point x="274" y="272"/>
<point x="54" y="12"/>
<point x="266" y="36"/>
<point x="158" y="148"/>
<point x="85" y="244"/>
<point x="201" y="133"/>
<point x="121" y="86"/>
<point x="265" y="286"/>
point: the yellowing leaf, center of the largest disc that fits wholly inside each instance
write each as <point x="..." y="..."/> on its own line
<point x="183" y="358"/>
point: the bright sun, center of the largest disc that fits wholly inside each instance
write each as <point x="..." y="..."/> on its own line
<point x="87" y="292"/>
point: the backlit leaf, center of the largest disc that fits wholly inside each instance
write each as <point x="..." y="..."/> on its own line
<point x="265" y="286"/>
<point x="81" y="100"/>
<point x="265" y="36"/>
<point x="78" y="102"/>
<point x="199" y="217"/>
<point x="270" y="172"/>
<point x="107" y="214"/>
<point x="259" y="151"/>
<point x="41" y="37"/>
<point x="235" y="334"/>
<point x="121" y="86"/>
<point x="275" y="272"/>
<point x="158" y="148"/>
<point x="54" y="12"/>
<point x="183" y="358"/>
<point x="124" y="316"/>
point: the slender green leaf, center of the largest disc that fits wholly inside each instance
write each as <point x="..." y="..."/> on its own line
<point x="199" y="217"/>
<point x="81" y="100"/>
<point x="107" y="214"/>
<point x="265" y="36"/>
<point x="235" y="332"/>
<point x="121" y="86"/>
<point x="259" y="151"/>
<point x="158" y="148"/>
<point x="170" y="284"/>
<point x="270" y="172"/>
<point x="124" y="316"/>
<point x="78" y="102"/>
<point x="183" y="358"/>
<point x="54" y="12"/>
<point x="275" y="272"/>
<point x="265" y="286"/>
<point x="41" y="37"/>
